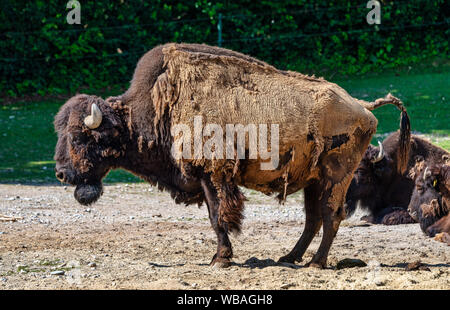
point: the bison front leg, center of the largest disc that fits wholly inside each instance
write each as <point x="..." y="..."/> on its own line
<point x="218" y="197"/>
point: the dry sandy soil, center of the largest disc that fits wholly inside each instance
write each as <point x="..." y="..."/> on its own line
<point x="136" y="238"/>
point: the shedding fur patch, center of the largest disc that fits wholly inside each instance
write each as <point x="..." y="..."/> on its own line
<point x="110" y="152"/>
<point x="79" y="160"/>
<point x="338" y="192"/>
<point x="286" y="183"/>
<point x="227" y="89"/>
<point x="123" y="110"/>
<point x="140" y="143"/>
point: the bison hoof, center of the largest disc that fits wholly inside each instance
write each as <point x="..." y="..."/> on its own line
<point x="220" y="262"/>
<point x="289" y="259"/>
<point x="316" y="265"/>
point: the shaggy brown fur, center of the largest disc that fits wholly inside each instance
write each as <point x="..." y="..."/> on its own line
<point x="231" y="202"/>
<point x="430" y="202"/>
<point x="323" y="135"/>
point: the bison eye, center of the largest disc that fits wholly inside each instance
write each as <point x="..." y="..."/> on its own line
<point x="360" y="171"/>
<point x="79" y="139"/>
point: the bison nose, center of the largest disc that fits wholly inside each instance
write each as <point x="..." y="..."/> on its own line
<point x="60" y="175"/>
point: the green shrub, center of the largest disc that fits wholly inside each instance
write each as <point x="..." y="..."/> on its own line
<point x="40" y="53"/>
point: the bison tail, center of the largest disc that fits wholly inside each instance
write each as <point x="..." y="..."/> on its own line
<point x="404" y="143"/>
<point x="389" y="99"/>
<point x="405" y="128"/>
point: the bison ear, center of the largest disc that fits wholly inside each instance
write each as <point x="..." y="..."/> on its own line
<point x="446" y="159"/>
<point x="414" y="171"/>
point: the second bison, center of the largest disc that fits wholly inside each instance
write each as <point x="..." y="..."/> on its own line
<point x="381" y="183"/>
<point x="430" y="201"/>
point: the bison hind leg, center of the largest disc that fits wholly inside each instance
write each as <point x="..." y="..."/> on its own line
<point x="312" y="225"/>
<point x="337" y="167"/>
<point x="397" y="217"/>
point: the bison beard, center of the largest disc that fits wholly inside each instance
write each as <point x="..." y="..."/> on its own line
<point x="87" y="194"/>
<point x="323" y="135"/>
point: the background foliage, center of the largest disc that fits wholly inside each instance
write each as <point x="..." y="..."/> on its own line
<point x="41" y="54"/>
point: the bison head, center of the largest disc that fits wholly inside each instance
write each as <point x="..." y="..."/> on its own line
<point x="90" y="142"/>
<point x="370" y="178"/>
<point x="426" y="205"/>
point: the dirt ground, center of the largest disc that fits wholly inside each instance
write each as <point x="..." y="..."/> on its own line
<point x="137" y="238"/>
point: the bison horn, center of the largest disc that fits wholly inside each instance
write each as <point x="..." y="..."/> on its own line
<point x="95" y="119"/>
<point x="426" y="174"/>
<point x="380" y="155"/>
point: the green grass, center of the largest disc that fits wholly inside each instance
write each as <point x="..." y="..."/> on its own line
<point x="27" y="137"/>
<point x="27" y="144"/>
<point x="426" y="97"/>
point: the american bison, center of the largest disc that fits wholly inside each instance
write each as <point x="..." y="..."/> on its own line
<point x="323" y="133"/>
<point x="430" y="201"/>
<point x="381" y="183"/>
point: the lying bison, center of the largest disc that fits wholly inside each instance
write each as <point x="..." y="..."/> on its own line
<point x="381" y="183"/>
<point x="430" y="201"/>
<point x="323" y="133"/>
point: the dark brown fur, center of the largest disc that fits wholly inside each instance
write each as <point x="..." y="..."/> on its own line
<point x="385" y="187"/>
<point x="441" y="230"/>
<point x="430" y="202"/>
<point x="86" y="156"/>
